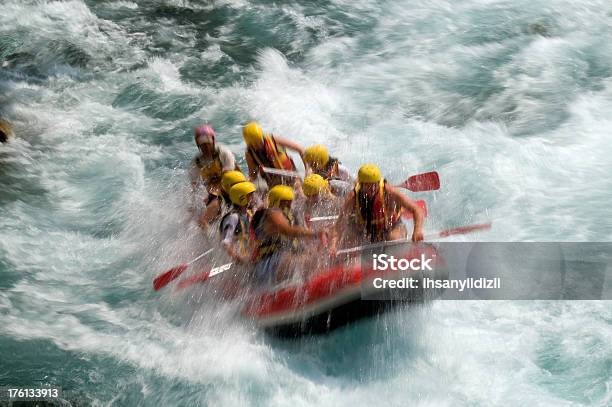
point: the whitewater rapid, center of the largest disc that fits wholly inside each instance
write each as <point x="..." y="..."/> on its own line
<point x="508" y="101"/>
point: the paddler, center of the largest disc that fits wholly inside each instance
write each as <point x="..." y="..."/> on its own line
<point x="228" y="180"/>
<point x="6" y="131"/>
<point x="234" y="226"/>
<point x="318" y="161"/>
<point x="268" y="151"/>
<point x="320" y="201"/>
<point x="275" y="233"/>
<point x="208" y="167"/>
<point x="374" y="208"/>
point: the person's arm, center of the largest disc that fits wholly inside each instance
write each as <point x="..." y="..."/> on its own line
<point x="339" y="187"/>
<point x="290" y="145"/>
<point x="277" y="223"/>
<point x="253" y="167"/>
<point x="229" y="227"/>
<point x="409" y="204"/>
<point x="228" y="161"/>
<point x="341" y="222"/>
<point x="211" y="212"/>
<point x="346" y="209"/>
<point x="343" y="173"/>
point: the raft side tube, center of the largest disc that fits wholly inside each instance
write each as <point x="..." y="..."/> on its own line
<point x="334" y="297"/>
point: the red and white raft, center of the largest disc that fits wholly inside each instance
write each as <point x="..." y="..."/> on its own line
<point x="341" y="294"/>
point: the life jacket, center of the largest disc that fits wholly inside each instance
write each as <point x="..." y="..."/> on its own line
<point x="266" y="245"/>
<point x="242" y="229"/>
<point x="211" y="172"/>
<point x="272" y="156"/>
<point x="330" y="171"/>
<point x="375" y="216"/>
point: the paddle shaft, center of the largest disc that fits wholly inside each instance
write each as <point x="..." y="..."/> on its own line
<point x="202" y="277"/>
<point x="170" y="275"/>
<point x="444" y="233"/>
<point x="200" y="256"/>
<point x="285" y="173"/>
<point x="405" y="214"/>
<point x="428" y="181"/>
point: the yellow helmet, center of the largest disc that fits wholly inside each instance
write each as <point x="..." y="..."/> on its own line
<point x="316" y="156"/>
<point x="314" y="184"/>
<point x="239" y="192"/>
<point x="230" y="178"/>
<point x="369" y="173"/>
<point x="279" y="193"/>
<point x="253" y="134"/>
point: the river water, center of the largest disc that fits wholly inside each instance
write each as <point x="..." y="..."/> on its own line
<point x="508" y="100"/>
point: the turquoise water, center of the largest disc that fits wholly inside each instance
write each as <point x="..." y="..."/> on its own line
<point x="508" y="101"/>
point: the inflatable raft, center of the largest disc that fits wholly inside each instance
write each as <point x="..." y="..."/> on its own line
<point x="342" y="293"/>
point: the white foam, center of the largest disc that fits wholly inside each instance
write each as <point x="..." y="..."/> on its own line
<point x="390" y="103"/>
<point x="122" y="4"/>
<point x="289" y="103"/>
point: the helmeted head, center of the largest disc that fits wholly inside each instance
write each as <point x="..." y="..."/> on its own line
<point x="280" y="194"/>
<point x="316" y="156"/>
<point x="6" y="132"/>
<point x="230" y="178"/>
<point x="369" y="177"/>
<point x="253" y="134"/>
<point x="315" y="185"/>
<point x="369" y="173"/>
<point x="240" y="193"/>
<point x="204" y="136"/>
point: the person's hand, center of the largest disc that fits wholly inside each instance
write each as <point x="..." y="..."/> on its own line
<point x="417" y="236"/>
<point x="203" y="223"/>
<point x="333" y="249"/>
<point x="322" y="236"/>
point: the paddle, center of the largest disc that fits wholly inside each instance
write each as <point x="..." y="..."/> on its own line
<point x="163" y="279"/>
<point x="284" y="173"/>
<point x="461" y="230"/>
<point x="202" y="277"/>
<point x="405" y="214"/>
<point x="428" y="181"/>
<point x="444" y="233"/>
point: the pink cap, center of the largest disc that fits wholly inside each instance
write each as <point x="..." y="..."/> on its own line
<point x="205" y="131"/>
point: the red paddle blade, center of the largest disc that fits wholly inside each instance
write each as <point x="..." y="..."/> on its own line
<point x="421" y="204"/>
<point x="465" y="229"/>
<point x="163" y="279"/>
<point x="429" y="181"/>
<point x="198" y="278"/>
